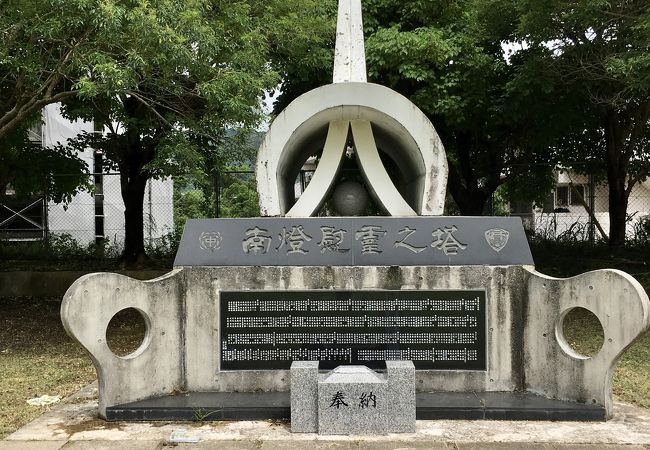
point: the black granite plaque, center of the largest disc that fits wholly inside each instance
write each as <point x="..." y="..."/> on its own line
<point x="263" y="330"/>
<point x="354" y="241"/>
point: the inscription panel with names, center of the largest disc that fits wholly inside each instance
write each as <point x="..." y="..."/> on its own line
<point x="437" y="330"/>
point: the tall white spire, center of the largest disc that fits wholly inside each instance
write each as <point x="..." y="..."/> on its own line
<point x="350" y="55"/>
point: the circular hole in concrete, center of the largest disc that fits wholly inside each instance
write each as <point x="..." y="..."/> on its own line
<point x="583" y="332"/>
<point x="126" y="332"/>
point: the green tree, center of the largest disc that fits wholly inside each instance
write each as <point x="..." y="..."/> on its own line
<point x="453" y="60"/>
<point x="449" y="59"/>
<point x="239" y="197"/>
<point x="599" y="50"/>
<point x="182" y="73"/>
<point x="42" y="46"/>
<point x="31" y="170"/>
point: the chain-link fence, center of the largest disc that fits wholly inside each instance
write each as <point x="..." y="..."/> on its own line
<point x="576" y="209"/>
<point x="92" y="221"/>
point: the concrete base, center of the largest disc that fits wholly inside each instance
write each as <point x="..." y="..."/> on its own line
<point x="526" y="348"/>
<point x="242" y="406"/>
<point x="75" y="426"/>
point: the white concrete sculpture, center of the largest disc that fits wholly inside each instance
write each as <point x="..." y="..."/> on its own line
<point x="373" y="118"/>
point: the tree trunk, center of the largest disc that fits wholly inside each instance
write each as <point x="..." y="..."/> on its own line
<point x="470" y="202"/>
<point x="617" y="168"/>
<point x="469" y="197"/>
<point x="133" y="190"/>
<point x="133" y="179"/>
<point x="618" y="201"/>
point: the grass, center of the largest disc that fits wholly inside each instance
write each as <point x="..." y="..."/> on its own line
<point x="37" y="357"/>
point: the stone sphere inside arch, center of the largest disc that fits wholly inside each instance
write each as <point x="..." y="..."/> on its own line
<point x="350" y="198"/>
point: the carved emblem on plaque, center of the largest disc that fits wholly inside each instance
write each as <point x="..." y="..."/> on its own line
<point x="497" y="238"/>
<point x="210" y="241"/>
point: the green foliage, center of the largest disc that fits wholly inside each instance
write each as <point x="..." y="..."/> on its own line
<point x="239" y="198"/>
<point x="599" y="52"/>
<point x="164" y="78"/>
<point x="57" y="247"/>
<point x="305" y="59"/>
<point x="451" y="59"/>
<point x="641" y="235"/>
<point x="31" y="170"/>
<point x="190" y="203"/>
<point x="533" y="184"/>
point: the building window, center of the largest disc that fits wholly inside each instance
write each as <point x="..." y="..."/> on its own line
<point x="566" y="196"/>
<point x="98" y="167"/>
<point x="562" y="196"/>
<point x="35" y="134"/>
<point x="98" y="170"/>
<point x="575" y="199"/>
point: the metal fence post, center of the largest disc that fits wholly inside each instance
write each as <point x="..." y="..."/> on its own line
<point x="592" y="205"/>
<point x="46" y="217"/>
<point x="217" y="195"/>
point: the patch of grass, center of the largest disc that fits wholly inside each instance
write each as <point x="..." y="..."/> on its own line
<point x="632" y="377"/>
<point x="583" y="332"/>
<point x="37" y="357"/>
<point x="126" y="332"/>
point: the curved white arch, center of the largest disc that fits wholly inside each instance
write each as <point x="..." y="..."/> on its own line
<point x="302" y="122"/>
<point x="333" y="152"/>
<point x="375" y="173"/>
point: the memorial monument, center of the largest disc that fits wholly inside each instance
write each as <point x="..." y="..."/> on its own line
<point x="458" y="297"/>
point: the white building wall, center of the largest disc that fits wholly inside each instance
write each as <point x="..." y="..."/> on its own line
<point x="158" y="210"/>
<point x="575" y="221"/>
<point x="77" y="218"/>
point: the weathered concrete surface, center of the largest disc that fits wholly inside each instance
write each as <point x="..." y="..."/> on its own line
<point x="30" y="445"/>
<point x="22" y="283"/>
<point x="400" y="129"/>
<point x="350" y="52"/>
<point x="381" y="186"/>
<point x="79" y="423"/>
<point x="113" y="445"/>
<point x="313" y="445"/>
<point x="156" y="368"/>
<point x="377" y="177"/>
<point x="525" y="350"/>
<point x="504" y="287"/>
<point x="552" y="367"/>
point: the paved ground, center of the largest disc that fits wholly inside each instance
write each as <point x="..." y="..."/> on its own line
<point x="74" y="425"/>
<point x="294" y="445"/>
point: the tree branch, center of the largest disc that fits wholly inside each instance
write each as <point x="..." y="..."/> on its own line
<point x="14" y="117"/>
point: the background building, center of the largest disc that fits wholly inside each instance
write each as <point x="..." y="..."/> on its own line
<point x="90" y="216"/>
